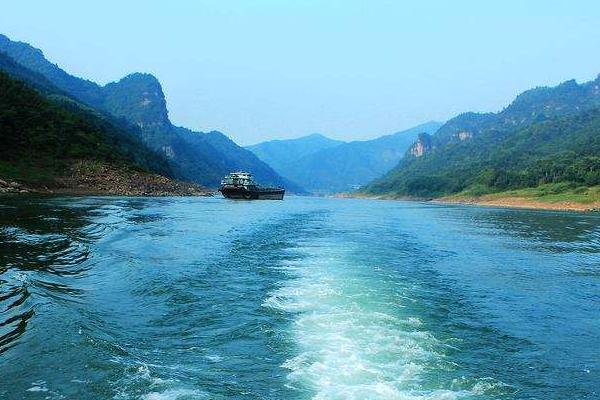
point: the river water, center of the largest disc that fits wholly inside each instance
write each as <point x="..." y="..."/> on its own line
<point x="205" y="298"/>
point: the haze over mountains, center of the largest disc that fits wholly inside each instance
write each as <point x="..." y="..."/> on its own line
<point x="279" y="153"/>
<point x="138" y="99"/>
<point x="321" y="164"/>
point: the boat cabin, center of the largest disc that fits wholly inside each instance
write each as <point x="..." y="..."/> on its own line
<point x="239" y="179"/>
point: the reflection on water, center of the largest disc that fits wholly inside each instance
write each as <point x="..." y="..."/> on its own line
<point x="50" y="237"/>
<point x="36" y="235"/>
<point x="134" y="298"/>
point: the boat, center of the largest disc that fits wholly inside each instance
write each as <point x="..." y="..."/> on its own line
<point x="241" y="185"/>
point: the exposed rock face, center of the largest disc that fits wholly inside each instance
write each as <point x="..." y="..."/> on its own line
<point x="102" y="178"/>
<point x="549" y="127"/>
<point x="138" y="98"/>
<point x="464" y="135"/>
<point x="169" y="152"/>
<point x="421" y="146"/>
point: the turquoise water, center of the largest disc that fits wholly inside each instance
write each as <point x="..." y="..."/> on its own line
<point x="193" y="298"/>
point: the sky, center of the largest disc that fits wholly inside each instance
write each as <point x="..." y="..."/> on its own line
<point x="353" y="70"/>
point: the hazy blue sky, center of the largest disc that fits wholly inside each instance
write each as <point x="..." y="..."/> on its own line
<point x="350" y="69"/>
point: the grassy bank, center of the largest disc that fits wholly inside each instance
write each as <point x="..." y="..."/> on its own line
<point x="556" y="196"/>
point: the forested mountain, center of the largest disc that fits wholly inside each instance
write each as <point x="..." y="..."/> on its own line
<point x="33" y="79"/>
<point x="139" y="100"/>
<point x="44" y="131"/>
<point x="339" y="166"/>
<point x="546" y="135"/>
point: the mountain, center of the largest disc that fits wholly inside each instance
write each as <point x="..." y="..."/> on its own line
<point x="336" y="166"/>
<point x="28" y="96"/>
<point x="52" y="142"/>
<point x="281" y="153"/>
<point x="546" y="135"/>
<point x="138" y="99"/>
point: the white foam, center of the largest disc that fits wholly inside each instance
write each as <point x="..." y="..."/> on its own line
<point x="214" y="358"/>
<point x="38" y="386"/>
<point x="352" y="342"/>
<point x="37" y="389"/>
<point x="176" y="394"/>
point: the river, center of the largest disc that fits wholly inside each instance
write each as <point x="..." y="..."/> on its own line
<point x="308" y="298"/>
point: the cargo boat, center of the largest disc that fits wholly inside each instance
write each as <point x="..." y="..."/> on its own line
<point x="241" y="185"/>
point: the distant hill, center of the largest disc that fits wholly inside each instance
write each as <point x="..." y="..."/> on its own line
<point x="281" y="153"/>
<point x="231" y="157"/>
<point x="138" y="99"/>
<point x="323" y="165"/>
<point x="547" y="135"/>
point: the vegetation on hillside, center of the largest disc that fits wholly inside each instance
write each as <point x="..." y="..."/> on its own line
<point x="561" y="192"/>
<point x="548" y="135"/>
<point x="41" y="136"/>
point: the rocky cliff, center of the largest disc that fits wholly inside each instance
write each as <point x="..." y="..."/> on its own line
<point x="422" y="146"/>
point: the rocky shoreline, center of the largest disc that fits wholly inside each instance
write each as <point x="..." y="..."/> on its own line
<point x="96" y="178"/>
<point x="13" y="187"/>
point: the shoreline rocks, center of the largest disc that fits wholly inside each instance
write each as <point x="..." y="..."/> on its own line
<point x="98" y="178"/>
<point x="12" y="187"/>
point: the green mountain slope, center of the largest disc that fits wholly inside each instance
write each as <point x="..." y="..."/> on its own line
<point x="547" y="135"/>
<point x="43" y="135"/>
<point x="342" y="166"/>
<point x="34" y="79"/>
<point x="138" y="99"/>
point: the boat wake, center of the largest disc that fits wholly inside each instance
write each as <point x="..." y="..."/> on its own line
<point x="358" y="336"/>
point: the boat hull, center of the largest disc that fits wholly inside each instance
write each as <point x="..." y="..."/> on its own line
<point x="249" y="194"/>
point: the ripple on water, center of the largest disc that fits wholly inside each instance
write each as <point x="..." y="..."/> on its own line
<point x="133" y="305"/>
<point x="15" y="313"/>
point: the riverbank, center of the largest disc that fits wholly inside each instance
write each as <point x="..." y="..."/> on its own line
<point x="545" y="197"/>
<point x="520" y="202"/>
<point x="98" y="178"/>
